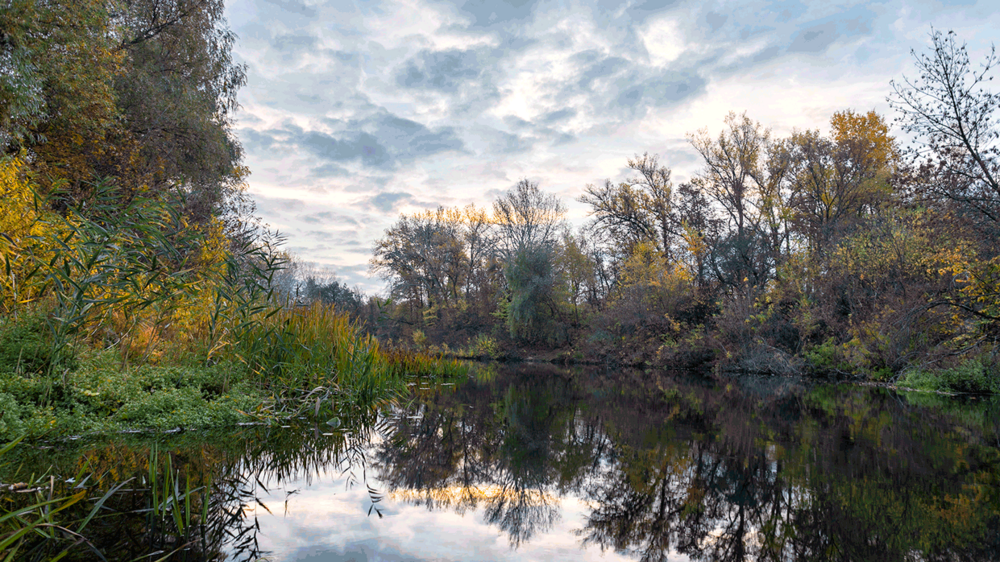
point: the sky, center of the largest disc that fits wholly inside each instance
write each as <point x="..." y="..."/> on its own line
<point x="357" y="112"/>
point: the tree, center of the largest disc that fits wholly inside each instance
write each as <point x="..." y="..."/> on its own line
<point x="526" y="218"/>
<point x="528" y="223"/>
<point x="137" y="90"/>
<point x="638" y="209"/>
<point x="56" y="89"/>
<point x="575" y="269"/>
<point x="949" y="107"/>
<point x="744" y="173"/>
<point x="698" y="229"/>
<point x="836" y="181"/>
<point x="732" y="165"/>
<point x="423" y="255"/>
<point x="480" y="287"/>
<point x="178" y="94"/>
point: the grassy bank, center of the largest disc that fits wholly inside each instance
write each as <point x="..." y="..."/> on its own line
<point x="302" y="362"/>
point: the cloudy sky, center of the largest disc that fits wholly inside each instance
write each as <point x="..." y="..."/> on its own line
<point x="355" y="112"/>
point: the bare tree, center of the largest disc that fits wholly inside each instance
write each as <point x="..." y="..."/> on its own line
<point x="638" y="209"/>
<point x="527" y="219"/>
<point x="950" y="108"/>
<point x="744" y="173"/>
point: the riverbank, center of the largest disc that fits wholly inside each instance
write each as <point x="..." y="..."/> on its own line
<point x="311" y="362"/>
<point x="818" y="363"/>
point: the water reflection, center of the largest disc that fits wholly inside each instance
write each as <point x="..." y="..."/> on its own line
<point x="575" y="464"/>
<point x="763" y="470"/>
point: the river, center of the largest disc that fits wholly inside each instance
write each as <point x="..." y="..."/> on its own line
<point x="537" y="462"/>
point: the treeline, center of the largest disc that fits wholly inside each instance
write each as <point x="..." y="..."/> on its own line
<point x="836" y="253"/>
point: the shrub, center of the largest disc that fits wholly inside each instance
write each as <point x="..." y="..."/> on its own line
<point x="485" y="346"/>
<point x="10" y="416"/>
<point x="972" y="376"/>
<point x="825" y="357"/>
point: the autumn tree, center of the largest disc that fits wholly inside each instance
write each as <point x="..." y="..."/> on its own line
<point x="528" y="223"/>
<point x="576" y="270"/>
<point x="483" y="263"/>
<point x="698" y="229"/>
<point x="177" y="94"/>
<point x="743" y="174"/>
<point x="834" y="182"/>
<point x="424" y="258"/>
<point x="142" y="91"/>
<point x="56" y="90"/>
<point x="638" y="209"/>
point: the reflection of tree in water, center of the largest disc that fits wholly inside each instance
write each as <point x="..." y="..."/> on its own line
<point x="502" y="456"/>
<point x="734" y="475"/>
<point x="870" y="486"/>
<point x="749" y="473"/>
<point x="684" y="499"/>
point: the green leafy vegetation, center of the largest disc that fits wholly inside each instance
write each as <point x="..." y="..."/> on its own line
<point x="973" y="376"/>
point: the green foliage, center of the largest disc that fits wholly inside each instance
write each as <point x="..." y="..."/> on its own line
<point x="121" y="254"/>
<point x="530" y="277"/>
<point x="25" y="345"/>
<point x="10" y="415"/>
<point x="973" y="376"/>
<point x="98" y="396"/>
<point x="827" y="356"/>
<point x="485" y="346"/>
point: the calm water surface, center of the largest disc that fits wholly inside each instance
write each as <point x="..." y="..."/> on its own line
<point x="542" y="463"/>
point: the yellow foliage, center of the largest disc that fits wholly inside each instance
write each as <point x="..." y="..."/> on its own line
<point x="871" y="131"/>
<point x="648" y="275"/>
<point x="23" y="228"/>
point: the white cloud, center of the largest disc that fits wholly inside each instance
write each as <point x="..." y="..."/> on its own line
<point x="327" y="519"/>
<point x="663" y="40"/>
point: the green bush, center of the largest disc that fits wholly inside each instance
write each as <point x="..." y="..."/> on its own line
<point x="485" y="346"/>
<point x="10" y="416"/>
<point x="973" y="376"/>
<point x="826" y="356"/>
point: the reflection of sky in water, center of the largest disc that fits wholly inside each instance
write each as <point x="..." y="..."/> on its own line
<point x="327" y="522"/>
<point x="531" y="466"/>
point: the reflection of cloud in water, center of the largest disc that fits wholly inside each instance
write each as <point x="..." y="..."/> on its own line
<point x="326" y="522"/>
<point x="461" y="498"/>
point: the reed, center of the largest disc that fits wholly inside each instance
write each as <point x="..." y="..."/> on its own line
<point x="37" y="521"/>
<point x="318" y="354"/>
<point x="185" y="497"/>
